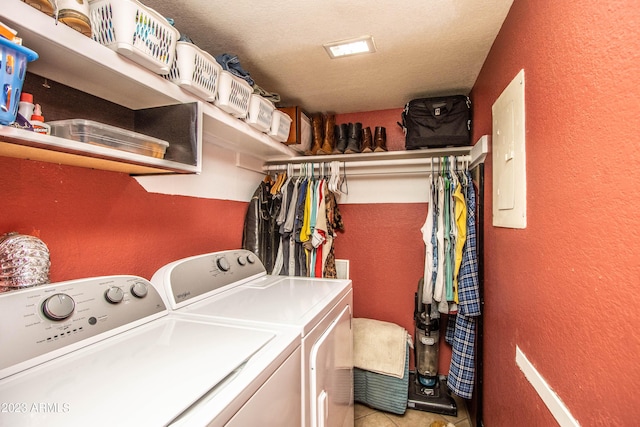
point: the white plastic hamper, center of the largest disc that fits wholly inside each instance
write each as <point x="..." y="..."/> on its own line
<point x="233" y="94"/>
<point x="195" y="71"/>
<point x="260" y="113"/>
<point x="280" y="125"/>
<point x="135" y="31"/>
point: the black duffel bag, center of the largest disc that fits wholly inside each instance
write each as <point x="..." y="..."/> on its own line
<point x="437" y="122"/>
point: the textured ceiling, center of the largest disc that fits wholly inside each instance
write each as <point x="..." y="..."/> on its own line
<point x="424" y="47"/>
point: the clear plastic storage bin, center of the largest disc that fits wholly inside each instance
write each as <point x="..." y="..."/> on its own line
<point x="260" y="113"/>
<point x="135" y="31"/>
<point x="233" y="94"/>
<point x="96" y="133"/>
<point x="13" y="69"/>
<point x="280" y="125"/>
<point x="195" y="71"/>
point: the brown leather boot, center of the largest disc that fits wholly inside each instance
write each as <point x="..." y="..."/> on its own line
<point x="317" y="120"/>
<point x="380" y="139"/>
<point x="367" y="140"/>
<point x="329" y="140"/>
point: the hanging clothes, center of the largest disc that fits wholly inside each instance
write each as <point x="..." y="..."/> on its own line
<point x="259" y="232"/>
<point x="334" y="224"/>
<point x="451" y="268"/>
<point x="460" y="218"/>
<point x="461" y="330"/>
<point x="427" y="237"/>
<point x="439" y="290"/>
<point x="291" y="225"/>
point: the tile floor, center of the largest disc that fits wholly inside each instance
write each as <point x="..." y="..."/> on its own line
<point x="367" y="417"/>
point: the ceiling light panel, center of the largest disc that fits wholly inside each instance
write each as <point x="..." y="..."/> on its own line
<point x="350" y="47"/>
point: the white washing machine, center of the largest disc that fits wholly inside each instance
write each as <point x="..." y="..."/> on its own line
<point x="106" y="352"/>
<point x="233" y="286"/>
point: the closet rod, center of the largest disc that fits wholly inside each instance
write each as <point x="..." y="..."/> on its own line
<point x="379" y="167"/>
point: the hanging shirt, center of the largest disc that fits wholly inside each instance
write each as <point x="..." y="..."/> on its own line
<point x="460" y="214"/>
<point x="448" y="241"/>
<point x="461" y="329"/>
<point x="281" y="218"/>
<point x="319" y="231"/>
<point x="300" y="253"/>
<point x="439" y="291"/>
<point x="288" y="237"/>
<point x="427" y="237"/>
<point x="334" y="222"/>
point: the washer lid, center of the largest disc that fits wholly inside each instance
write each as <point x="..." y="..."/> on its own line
<point x="146" y="376"/>
<point x="286" y="301"/>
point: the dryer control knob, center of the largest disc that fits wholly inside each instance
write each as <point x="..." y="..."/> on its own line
<point x="114" y="295"/>
<point x="58" y="307"/>
<point x="251" y="258"/>
<point x="139" y="290"/>
<point x="242" y="261"/>
<point x="223" y="264"/>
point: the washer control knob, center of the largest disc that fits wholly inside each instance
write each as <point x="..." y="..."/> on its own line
<point x="58" y="307"/>
<point x="242" y="261"/>
<point x="139" y="290"/>
<point x="251" y="258"/>
<point x="223" y="264"/>
<point x="114" y="295"/>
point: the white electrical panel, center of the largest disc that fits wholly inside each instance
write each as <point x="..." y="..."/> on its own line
<point x="509" y="160"/>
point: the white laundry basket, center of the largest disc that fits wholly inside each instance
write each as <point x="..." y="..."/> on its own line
<point x="195" y="71"/>
<point x="135" y="31"/>
<point x="233" y="94"/>
<point x="280" y="125"/>
<point x="260" y="113"/>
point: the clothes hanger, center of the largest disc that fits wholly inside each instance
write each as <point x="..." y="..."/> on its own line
<point x="333" y="177"/>
<point x="276" y="186"/>
<point x="268" y="179"/>
<point x="343" y="181"/>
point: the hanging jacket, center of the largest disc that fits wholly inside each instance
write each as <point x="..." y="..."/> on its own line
<point x="259" y="234"/>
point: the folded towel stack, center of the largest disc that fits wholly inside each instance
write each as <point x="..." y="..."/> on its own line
<point x="379" y="346"/>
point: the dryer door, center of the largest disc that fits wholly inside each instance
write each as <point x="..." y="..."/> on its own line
<point x="331" y="376"/>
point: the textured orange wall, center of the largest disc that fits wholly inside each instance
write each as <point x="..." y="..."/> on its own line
<point x="97" y="222"/>
<point x="566" y="289"/>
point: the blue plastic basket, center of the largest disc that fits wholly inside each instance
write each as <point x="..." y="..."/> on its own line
<point x="13" y="68"/>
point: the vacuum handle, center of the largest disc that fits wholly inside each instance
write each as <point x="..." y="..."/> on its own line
<point x="418" y="303"/>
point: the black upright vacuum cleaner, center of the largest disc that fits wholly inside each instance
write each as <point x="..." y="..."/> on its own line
<point x="427" y="392"/>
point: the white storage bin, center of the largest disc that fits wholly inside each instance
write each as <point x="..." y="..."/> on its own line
<point x="260" y="113"/>
<point x="195" y="71"/>
<point x="280" y="125"/>
<point x="135" y="31"/>
<point x="233" y="94"/>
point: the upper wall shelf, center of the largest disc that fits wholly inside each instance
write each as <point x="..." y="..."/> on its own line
<point x="391" y="162"/>
<point x="68" y="57"/>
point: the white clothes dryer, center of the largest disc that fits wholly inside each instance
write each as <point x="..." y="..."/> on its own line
<point x="233" y="286"/>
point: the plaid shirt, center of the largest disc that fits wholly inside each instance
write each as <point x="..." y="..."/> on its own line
<point x="461" y="329"/>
